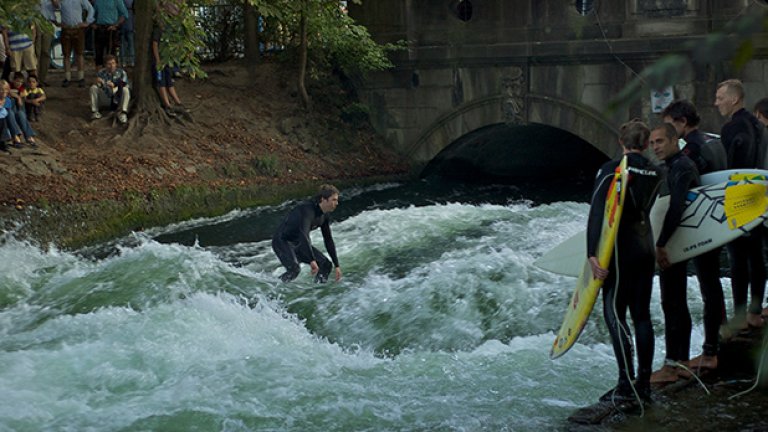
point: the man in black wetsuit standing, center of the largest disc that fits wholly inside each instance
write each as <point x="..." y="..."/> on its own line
<point x="682" y="175"/>
<point x="708" y="156"/>
<point x="628" y="280"/>
<point x="291" y="241"/>
<point x="742" y="138"/>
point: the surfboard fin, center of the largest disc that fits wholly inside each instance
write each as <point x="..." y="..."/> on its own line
<point x="744" y="203"/>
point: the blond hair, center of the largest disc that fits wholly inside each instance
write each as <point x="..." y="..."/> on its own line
<point x="733" y="87"/>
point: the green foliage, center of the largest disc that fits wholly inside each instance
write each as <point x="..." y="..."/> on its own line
<point x="349" y="46"/>
<point x="223" y="29"/>
<point x="356" y="114"/>
<point x="181" y="37"/>
<point x="20" y="15"/>
<point x="268" y="165"/>
<point x="335" y="39"/>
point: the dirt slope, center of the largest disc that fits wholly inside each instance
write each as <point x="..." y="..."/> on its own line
<point x="244" y="129"/>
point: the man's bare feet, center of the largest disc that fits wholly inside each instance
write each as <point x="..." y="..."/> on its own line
<point x="667" y="374"/>
<point x="702" y="362"/>
<point x="755" y="320"/>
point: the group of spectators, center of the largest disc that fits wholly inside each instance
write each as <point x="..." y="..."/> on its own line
<point x="628" y="279"/>
<point x="25" y="59"/>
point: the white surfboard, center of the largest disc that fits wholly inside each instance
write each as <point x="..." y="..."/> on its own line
<point x="567" y="258"/>
<point x="704" y="226"/>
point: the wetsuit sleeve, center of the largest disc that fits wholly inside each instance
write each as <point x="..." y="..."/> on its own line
<point x="330" y="246"/>
<point x="597" y="210"/>
<point x="680" y="180"/>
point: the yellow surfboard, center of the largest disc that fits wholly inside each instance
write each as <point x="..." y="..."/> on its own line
<point x="587" y="287"/>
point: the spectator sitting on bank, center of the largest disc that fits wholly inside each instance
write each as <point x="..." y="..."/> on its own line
<point x="17" y="86"/>
<point x="5" y="133"/>
<point x="34" y="100"/>
<point x="17" y="119"/>
<point x="163" y="77"/>
<point x="111" y="89"/>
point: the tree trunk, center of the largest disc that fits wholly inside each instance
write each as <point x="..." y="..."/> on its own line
<point x="142" y="91"/>
<point x="305" y="102"/>
<point x="252" y="53"/>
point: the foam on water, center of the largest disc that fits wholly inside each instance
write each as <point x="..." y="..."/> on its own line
<point x="440" y="323"/>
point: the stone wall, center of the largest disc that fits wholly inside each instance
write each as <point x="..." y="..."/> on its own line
<point x="473" y="63"/>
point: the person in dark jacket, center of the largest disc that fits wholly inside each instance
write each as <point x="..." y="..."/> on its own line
<point x="291" y="241"/>
<point x="742" y="139"/>
<point x="709" y="156"/>
<point x="681" y="176"/>
<point x="628" y="280"/>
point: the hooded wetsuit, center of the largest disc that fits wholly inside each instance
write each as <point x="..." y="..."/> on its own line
<point x="632" y="263"/>
<point x="292" y="245"/>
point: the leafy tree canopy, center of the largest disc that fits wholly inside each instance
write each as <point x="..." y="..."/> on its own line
<point x="334" y="38"/>
<point x="20" y="15"/>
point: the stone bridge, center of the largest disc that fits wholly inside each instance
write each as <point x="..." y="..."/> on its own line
<point x="502" y="66"/>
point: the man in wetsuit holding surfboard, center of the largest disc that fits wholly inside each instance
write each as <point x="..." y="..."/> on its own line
<point x="682" y="175"/>
<point x="742" y="139"/>
<point x="628" y="280"/>
<point x="708" y="157"/>
<point x="291" y="241"/>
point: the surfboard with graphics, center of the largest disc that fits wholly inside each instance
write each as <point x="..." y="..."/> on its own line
<point x="705" y="225"/>
<point x="712" y="218"/>
<point x="587" y="287"/>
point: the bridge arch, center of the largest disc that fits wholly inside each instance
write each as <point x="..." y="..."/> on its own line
<point x="577" y="119"/>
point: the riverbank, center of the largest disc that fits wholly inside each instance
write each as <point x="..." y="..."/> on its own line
<point x="717" y="400"/>
<point x="246" y="142"/>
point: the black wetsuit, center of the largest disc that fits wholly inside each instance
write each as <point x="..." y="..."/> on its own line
<point x="292" y="245"/>
<point x="632" y="263"/>
<point x="681" y="175"/>
<point x="694" y="148"/>
<point x="742" y="138"/>
<point x="712" y="158"/>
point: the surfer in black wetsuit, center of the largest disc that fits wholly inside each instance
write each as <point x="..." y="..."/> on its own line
<point x="709" y="156"/>
<point x="742" y="139"/>
<point x="291" y="241"/>
<point x="628" y="280"/>
<point x="681" y="176"/>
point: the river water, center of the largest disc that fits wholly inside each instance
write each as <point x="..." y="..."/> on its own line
<point x="441" y="322"/>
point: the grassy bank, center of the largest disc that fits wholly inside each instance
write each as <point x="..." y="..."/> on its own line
<point x="76" y="225"/>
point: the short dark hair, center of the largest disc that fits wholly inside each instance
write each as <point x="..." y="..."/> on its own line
<point x="109" y="57"/>
<point x="762" y="107"/>
<point x="326" y="191"/>
<point x="682" y="109"/>
<point x="669" y="130"/>
<point x="634" y="135"/>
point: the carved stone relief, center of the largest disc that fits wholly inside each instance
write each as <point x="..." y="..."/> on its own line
<point x="513" y="102"/>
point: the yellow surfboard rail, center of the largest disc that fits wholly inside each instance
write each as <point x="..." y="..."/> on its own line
<point x="587" y="287"/>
